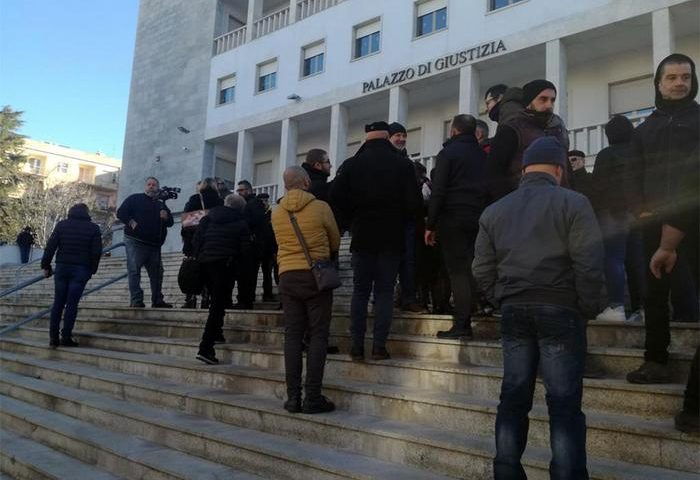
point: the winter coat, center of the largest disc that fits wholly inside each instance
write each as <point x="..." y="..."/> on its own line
<point x="194" y="203"/>
<point x="458" y="187"/>
<point x="77" y="239"/>
<point x="609" y="181"/>
<point x="145" y="211"/>
<point x="319" y="182"/>
<point x="377" y="192"/>
<point x="223" y="235"/>
<point x="25" y="239"/>
<point x="541" y="245"/>
<point x="317" y="226"/>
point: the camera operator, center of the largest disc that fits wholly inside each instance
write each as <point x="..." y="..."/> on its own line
<point x="146" y="219"/>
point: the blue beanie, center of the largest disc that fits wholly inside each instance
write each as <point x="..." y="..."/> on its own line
<point x="545" y="150"/>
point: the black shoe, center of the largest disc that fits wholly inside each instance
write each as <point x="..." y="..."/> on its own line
<point x="220" y="338"/>
<point x="332" y="349"/>
<point x="318" y="405"/>
<point x="138" y="305"/>
<point x="161" y="304"/>
<point x="68" y="342"/>
<point x="380" y="353"/>
<point x="190" y="303"/>
<point x="208" y="358"/>
<point x="357" y="354"/>
<point x="456" y="333"/>
<point x="53" y="343"/>
<point x="688" y="422"/>
<point x="293" y="404"/>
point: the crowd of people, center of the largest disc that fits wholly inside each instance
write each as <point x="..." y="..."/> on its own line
<point x="512" y="225"/>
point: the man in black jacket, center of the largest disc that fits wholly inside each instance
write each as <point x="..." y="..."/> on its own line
<point x="146" y="220"/>
<point x="666" y="143"/>
<point x="222" y="239"/>
<point x="79" y="245"/>
<point x="25" y="240"/>
<point x="539" y="256"/>
<point x="458" y="198"/>
<point x="376" y="192"/>
<point x="318" y="166"/>
<point x="254" y="212"/>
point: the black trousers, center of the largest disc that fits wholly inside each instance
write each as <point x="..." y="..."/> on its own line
<point x="247" y="280"/>
<point x="267" y="264"/>
<point x="305" y="309"/>
<point x="217" y="278"/>
<point x="457" y="238"/>
<point x="691" y="402"/>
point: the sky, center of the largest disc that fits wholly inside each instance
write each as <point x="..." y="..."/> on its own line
<point x="67" y="65"/>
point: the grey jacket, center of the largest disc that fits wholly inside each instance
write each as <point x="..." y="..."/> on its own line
<point x="541" y="245"/>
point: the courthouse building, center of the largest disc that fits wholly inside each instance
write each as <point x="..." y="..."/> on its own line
<point x="241" y="89"/>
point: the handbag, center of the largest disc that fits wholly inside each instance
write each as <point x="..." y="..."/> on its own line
<point x="189" y="277"/>
<point x="323" y="270"/>
<point x="192" y="219"/>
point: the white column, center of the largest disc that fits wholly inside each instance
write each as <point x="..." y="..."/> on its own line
<point x="663" y="38"/>
<point x="556" y="72"/>
<point x="398" y="105"/>
<point x="244" y="156"/>
<point x="288" y="150"/>
<point x="338" y="142"/>
<point x="292" y="11"/>
<point x="254" y="13"/>
<point x="469" y="89"/>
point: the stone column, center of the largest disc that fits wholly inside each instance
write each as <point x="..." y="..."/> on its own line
<point x="292" y="11"/>
<point x="288" y="150"/>
<point x="338" y="142"/>
<point x="398" y="105"/>
<point x="244" y="156"/>
<point x="556" y="72"/>
<point x="469" y="90"/>
<point x="663" y="37"/>
<point x="255" y="9"/>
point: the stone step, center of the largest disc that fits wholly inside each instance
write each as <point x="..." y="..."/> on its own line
<point x="435" y="415"/>
<point x="272" y="456"/>
<point x="23" y="458"/>
<point x="123" y="455"/>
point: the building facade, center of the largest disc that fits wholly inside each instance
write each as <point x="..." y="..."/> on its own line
<point x="241" y="89"/>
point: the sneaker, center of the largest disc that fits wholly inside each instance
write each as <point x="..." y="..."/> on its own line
<point x="414" y="308"/>
<point x="68" y="342"/>
<point x="293" y="404"/>
<point x="688" y="422"/>
<point x="161" y="304"/>
<point x="380" y="353"/>
<point x="208" y="358"/>
<point x="650" y="372"/>
<point x="357" y="354"/>
<point x="137" y="305"/>
<point x="53" y="343"/>
<point x="612" y="314"/>
<point x="318" y="405"/>
<point x="220" y="338"/>
<point x="456" y="333"/>
<point x="636" y="317"/>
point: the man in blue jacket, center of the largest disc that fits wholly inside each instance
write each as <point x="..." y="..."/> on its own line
<point x="146" y="219"/>
<point x="539" y="256"/>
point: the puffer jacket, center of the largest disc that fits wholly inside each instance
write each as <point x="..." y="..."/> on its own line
<point x="77" y="239"/>
<point x="222" y="235"/>
<point x="316" y="223"/>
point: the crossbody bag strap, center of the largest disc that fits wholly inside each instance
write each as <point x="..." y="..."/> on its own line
<point x="300" y="237"/>
<point x="201" y="200"/>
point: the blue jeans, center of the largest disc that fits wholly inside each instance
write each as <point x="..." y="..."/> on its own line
<point x="69" y="283"/>
<point x="139" y="255"/>
<point x="615" y="229"/>
<point x="555" y="339"/>
<point x="407" y="268"/>
<point x="378" y="270"/>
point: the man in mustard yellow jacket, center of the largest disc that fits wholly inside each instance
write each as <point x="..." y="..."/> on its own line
<point x="305" y="308"/>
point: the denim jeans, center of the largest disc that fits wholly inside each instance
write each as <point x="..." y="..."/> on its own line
<point x="555" y="339"/>
<point x="376" y="270"/>
<point x="69" y="283"/>
<point x="407" y="268"/>
<point x="615" y="229"/>
<point x="138" y="255"/>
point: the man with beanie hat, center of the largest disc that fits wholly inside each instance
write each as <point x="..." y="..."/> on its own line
<point x="517" y="132"/>
<point x="665" y="183"/>
<point x="544" y="267"/>
<point x="376" y="191"/>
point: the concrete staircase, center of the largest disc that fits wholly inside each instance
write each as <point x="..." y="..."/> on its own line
<point x="132" y="402"/>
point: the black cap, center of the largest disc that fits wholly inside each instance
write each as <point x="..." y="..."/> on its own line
<point x="533" y="88"/>
<point x="376" y="127"/>
<point x="396" y="127"/>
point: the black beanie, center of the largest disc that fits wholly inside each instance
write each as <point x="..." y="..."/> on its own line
<point x="619" y="130"/>
<point x="396" y="127"/>
<point x="534" y="88"/>
<point x="675" y="58"/>
<point x="546" y="150"/>
<point x="376" y="127"/>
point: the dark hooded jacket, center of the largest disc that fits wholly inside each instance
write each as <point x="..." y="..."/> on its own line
<point x="223" y="235"/>
<point x="77" y="239"/>
<point x="665" y="148"/>
<point x="211" y="199"/>
<point x="319" y="182"/>
<point x="609" y="183"/>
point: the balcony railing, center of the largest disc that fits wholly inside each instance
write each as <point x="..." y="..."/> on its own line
<point x="271" y="23"/>
<point x="229" y="41"/>
<point x="306" y="8"/>
<point x="270" y="189"/>
<point x="591" y="139"/>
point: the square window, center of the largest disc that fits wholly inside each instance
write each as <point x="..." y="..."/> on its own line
<point x="267" y="76"/>
<point x="35" y="165"/>
<point x="227" y="90"/>
<point x="314" y="59"/>
<point x="367" y="39"/>
<point x="496" y="4"/>
<point x="431" y="16"/>
<point x="62" y="167"/>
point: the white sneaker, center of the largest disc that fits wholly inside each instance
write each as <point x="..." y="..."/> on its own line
<point x="612" y="314"/>
<point x="636" y="316"/>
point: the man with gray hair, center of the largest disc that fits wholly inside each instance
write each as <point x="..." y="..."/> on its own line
<point x="221" y="240"/>
<point x="306" y="309"/>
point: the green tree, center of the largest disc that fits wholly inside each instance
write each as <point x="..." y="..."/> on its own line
<point x="11" y="145"/>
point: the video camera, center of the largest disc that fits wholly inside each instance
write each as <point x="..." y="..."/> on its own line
<point x="168" y="193"/>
